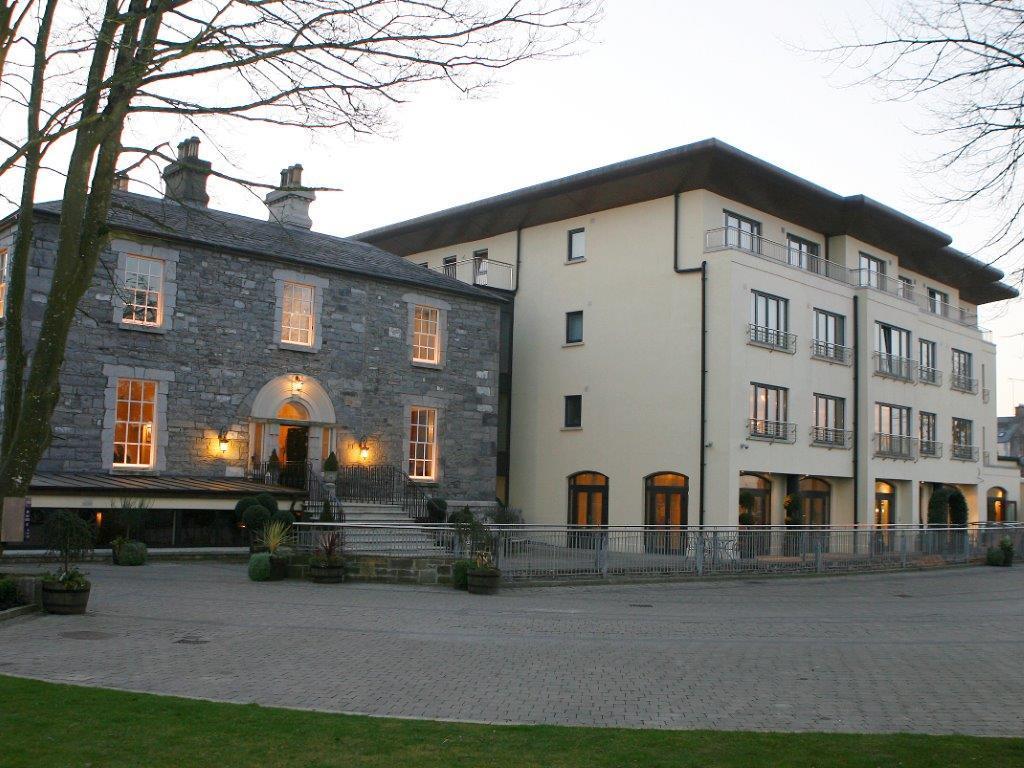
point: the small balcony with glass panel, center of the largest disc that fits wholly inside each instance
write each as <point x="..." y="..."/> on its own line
<point x="930" y="449"/>
<point x="888" y="446"/>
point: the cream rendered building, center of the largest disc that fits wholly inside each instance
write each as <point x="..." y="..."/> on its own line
<point x="843" y="364"/>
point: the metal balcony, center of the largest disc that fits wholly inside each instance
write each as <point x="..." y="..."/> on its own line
<point x="489" y="273"/>
<point x="894" y="367"/>
<point x="895" y="446"/>
<point x="734" y="238"/>
<point x="828" y="437"/>
<point x="833" y="353"/>
<point x="964" y="452"/>
<point x="930" y="449"/>
<point x="962" y="383"/>
<point x="774" y="431"/>
<point x="928" y="375"/>
<point x="772" y="338"/>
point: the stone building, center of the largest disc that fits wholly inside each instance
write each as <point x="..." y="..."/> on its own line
<point x="215" y="353"/>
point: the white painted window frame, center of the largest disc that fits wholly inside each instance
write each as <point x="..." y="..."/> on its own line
<point x="163" y="379"/>
<point x="282" y="277"/>
<point x="168" y="257"/>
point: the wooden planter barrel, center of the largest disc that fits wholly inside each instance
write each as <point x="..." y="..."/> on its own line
<point x="57" y="599"/>
<point x="278" y="568"/>
<point x="483" y="581"/>
<point x="327" y="574"/>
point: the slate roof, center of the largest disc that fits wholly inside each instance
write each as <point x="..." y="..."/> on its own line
<point x="170" y="485"/>
<point x="220" y="230"/>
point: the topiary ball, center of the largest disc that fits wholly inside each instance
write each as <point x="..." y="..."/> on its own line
<point x="132" y="553"/>
<point x="267" y="501"/>
<point x="283" y="516"/>
<point x="256" y="517"/>
<point x="259" y="566"/>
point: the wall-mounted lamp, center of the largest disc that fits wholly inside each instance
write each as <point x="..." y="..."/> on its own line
<point x="364" y="450"/>
<point x="297" y="384"/>
<point x="222" y="440"/>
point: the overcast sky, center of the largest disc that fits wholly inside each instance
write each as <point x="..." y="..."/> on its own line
<point x="661" y="73"/>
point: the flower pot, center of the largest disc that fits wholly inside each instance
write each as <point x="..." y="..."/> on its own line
<point x="483" y="581"/>
<point x="327" y="574"/>
<point x="278" y="568"/>
<point x="61" y="600"/>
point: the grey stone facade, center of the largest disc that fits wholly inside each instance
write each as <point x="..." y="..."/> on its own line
<point x="222" y="346"/>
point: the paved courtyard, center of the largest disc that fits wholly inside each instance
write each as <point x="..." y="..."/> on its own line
<point x="930" y="652"/>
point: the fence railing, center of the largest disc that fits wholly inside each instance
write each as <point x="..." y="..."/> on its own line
<point x="836" y="353"/>
<point x="929" y="375"/>
<point x="831" y="437"/>
<point x="894" y="366"/>
<point x="895" y="446"/>
<point x="774" y="338"/>
<point x="565" y="553"/>
<point x="763" y="429"/>
<point x="291" y="474"/>
<point x="963" y="383"/>
<point x="381" y="484"/>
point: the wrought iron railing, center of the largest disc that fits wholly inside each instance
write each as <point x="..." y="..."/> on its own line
<point x="834" y="353"/>
<point x="291" y="474"/>
<point x="381" y="484"/>
<point x="963" y="383"/>
<point x="764" y="336"/>
<point x="931" y="449"/>
<point x="895" y="446"/>
<point x="894" y="366"/>
<point x="929" y="375"/>
<point x="830" y="437"/>
<point x="964" y="452"/>
<point x="563" y="553"/>
<point x="762" y="429"/>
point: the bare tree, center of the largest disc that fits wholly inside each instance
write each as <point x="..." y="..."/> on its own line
<point x="964" y="60"/>
<point x="83" y="77"/>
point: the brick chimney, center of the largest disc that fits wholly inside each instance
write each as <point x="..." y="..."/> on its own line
<point x="1019" y="412"/>
<point x="120" y="181"/>
<point x="289" y="203"/>
<point x="185" y="178"/>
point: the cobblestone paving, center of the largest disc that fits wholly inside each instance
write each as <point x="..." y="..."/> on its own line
<point x="931" y="652"/>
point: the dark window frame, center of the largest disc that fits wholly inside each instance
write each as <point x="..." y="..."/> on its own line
<point x="568" y="326"/>
<point x="577" y="401"/>
<point x="569" y="257"/>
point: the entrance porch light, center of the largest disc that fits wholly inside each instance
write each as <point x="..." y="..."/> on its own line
<point x="297" y="384"/>
<point x="222" y="440"/>
<point x="364" y="450"/>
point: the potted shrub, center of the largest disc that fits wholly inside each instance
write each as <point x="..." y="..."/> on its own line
<point x="326" y="566"/>
<point x="259" y="566"/>
<point x="255" y="517"/>
<point x="331" y="468"/>
<point x="483" y="577"/>
<point x="132" y="553"/>
<point x="1006" y="547"/>
<point x="276" y="540"/>
<point x="66" y="591"/>
<point x="995" y="556"/>
<point x="460" y="574"/>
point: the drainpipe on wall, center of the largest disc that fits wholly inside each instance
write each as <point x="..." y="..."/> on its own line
<point x="703" y="270"/>
<point x="856" y="416"/>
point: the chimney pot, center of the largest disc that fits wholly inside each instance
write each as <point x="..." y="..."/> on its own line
<point x="185" y="178"/>
<point x="289" y="203"/>
<point x="121" y="181"/>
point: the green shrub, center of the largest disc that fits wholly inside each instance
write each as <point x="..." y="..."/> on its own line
<point x="132" y="553"/>
<point x="957" y="508"/>
<point x="69" y="537"/>
<point x="437" y="509"/>
<point x="243" y="504"/>
<point x="259" y="566"/>
<point x="255" y="517"/>
<point x="1006" y="546"/>
<point x="938" y="508"/>
<point x="994" y="557"/>
<point x="8" y="594"/>
<point x="503" y="515"/>
<point x="267" y="501"/>
<point x="331" y="463"/>
<point x="460" y="573"/>
<point x="282" y="516"/>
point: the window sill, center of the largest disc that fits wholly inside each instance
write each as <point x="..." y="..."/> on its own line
<point x="292" y="347"/>
<point x="425" y="364"/>
<point x="134" y="471"/>
<point x="157" y="329"/>
<point x="572" y="429"/>
<point x="576" y="261"/>
<point x="572" y="344"/>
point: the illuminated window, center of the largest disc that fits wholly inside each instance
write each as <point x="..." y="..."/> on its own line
<point x="3" y="282"/>
<point x="143" y="289"/>
<point x="426" y="346"/>
<point x="134" y="423"/>
<point x="423" y="443"/>
<point x="297" y="314"/>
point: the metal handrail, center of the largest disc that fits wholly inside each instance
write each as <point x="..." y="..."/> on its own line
<point x="931" y="449"/>
<point x="964" y="452"/>
<point x="479" y="272"/>
<point x="722" y="238"/>
<point x="866" y="278"/>
<point x="381" y="484"/>
<point x="763" y="336"/>
<point x="929" y="375"/>
<point x="894" y="366"/>
<point x="763" y="429"/>
<point x="291" y="474"/>
<point x="962" y="383"/>
<point x="895" y="446"/>
<point x="826" y="350"/>
<point x="831" y="437"/>
<point x="954" y="312"/>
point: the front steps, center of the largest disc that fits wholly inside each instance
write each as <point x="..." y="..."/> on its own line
<point x="375" y="514"/>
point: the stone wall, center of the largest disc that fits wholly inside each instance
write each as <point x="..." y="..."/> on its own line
<point x="221" y="348"/>
<point x="390" y="569"/>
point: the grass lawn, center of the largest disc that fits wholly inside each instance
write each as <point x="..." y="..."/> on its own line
<point x="43" y="725"/>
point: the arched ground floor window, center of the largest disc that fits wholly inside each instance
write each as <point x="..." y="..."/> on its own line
<point x="666" y="503"/>
<point x="588" y="499"/>
<point x="885" y="503"/>
<point x="1001" y="509"/>
<point x="755" y="499"/>
<point x="815" y="500"/>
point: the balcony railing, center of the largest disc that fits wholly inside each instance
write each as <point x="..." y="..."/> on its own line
<point x="723" y="238"/>
<point x="964" y="452"/>
<point x="733" y="237"/>
<point x="762" y="336"/>
<point x="829" y="437"/>
<point x="762" y="429"/>
<point x="484" y="272"/>
<point x="894" y="367"/>
<point x="929" y="375"/>
<point x="963" y="383"/>
<point x="931" y="449"/>
<point x="833" y="353"/>
<point x="895" y="446"/>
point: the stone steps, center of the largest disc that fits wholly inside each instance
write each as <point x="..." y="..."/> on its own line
<point x="375" y="514"/>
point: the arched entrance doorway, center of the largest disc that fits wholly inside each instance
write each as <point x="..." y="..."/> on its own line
<point x="666" y="502"/>
<point x="885" y="504"/>
<point x="588" y="508"/>
<point x="816" y="500"/>
<point x="292" y="420"/>
<point x="1000" y="509"/>
<point x="755" y="499"/>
